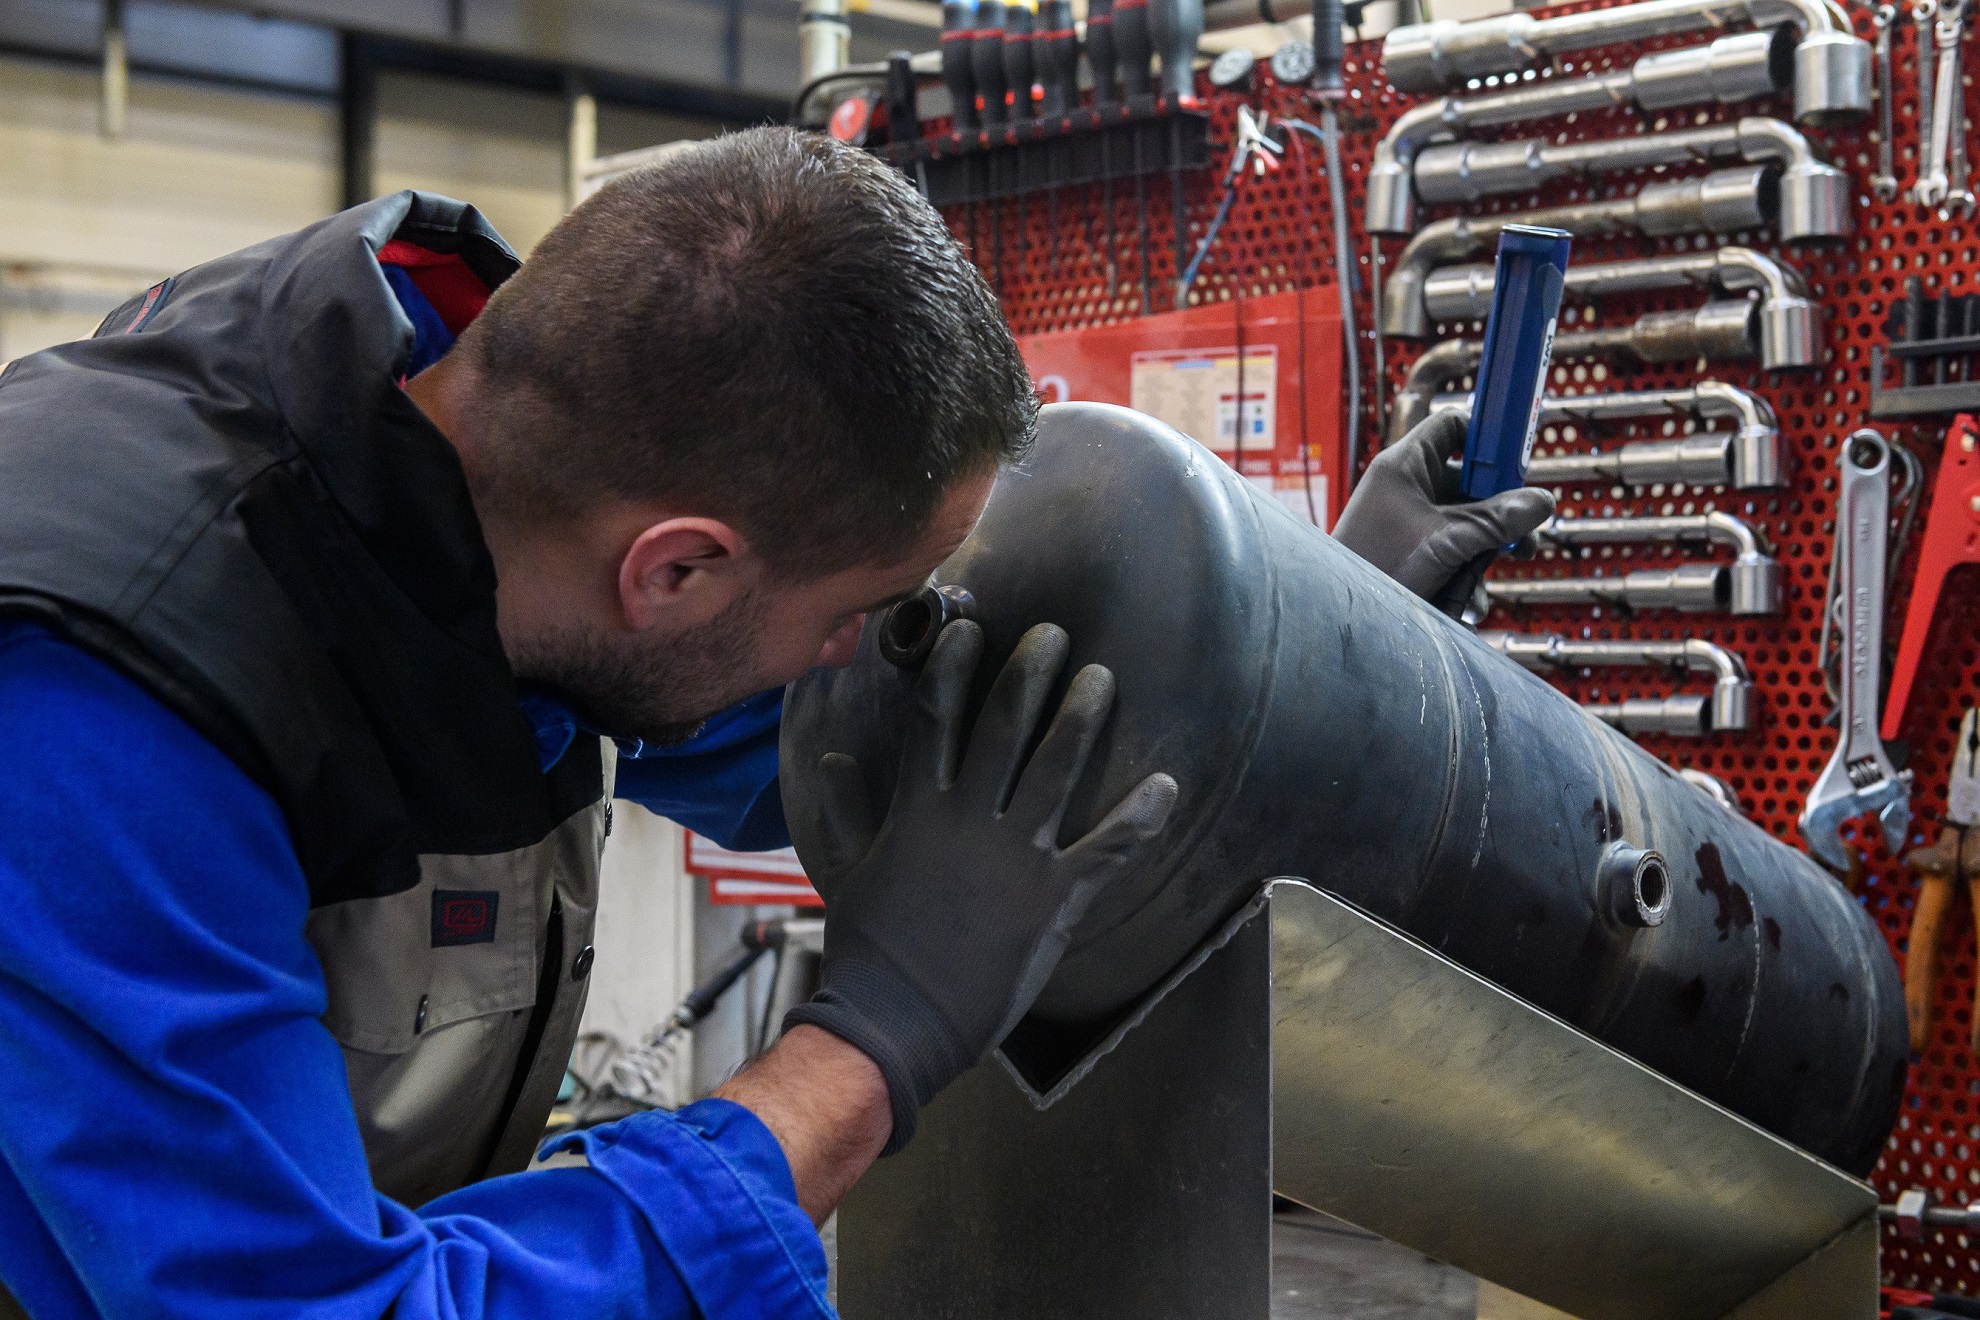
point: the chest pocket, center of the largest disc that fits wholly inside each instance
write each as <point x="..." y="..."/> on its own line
<point x="460" y="944"/>
<point x="431" y="993"/>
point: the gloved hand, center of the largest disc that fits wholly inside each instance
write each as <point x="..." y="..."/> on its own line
<point x="1406" y="519"/>
<point x="942" y="927"/>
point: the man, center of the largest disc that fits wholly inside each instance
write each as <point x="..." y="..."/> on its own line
<point x="339" y="579"/>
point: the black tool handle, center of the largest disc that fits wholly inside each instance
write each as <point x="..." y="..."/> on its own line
<point x="1058" y="50"/>
<point x="1100" y="52"/>
<point x="1942" y="328"/>
<point x="701" y="1000"/>
<point x="1020" y="71"/>
<point x="1136" y="47"/>
<point x="1175" y="26"/>
<point x="987" y="59"/>
<point x="903" y="122"/>
<point x="958" y="34"/>
<point x="1913" y="323"/>
<point x="1329" y="49"/>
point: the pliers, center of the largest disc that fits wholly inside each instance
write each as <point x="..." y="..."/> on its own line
<point x="1953" y="858"/>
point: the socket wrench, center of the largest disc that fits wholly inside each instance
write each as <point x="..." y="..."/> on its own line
<point x="1688" y="588"/>
<point x="1859" y="777"/>
<point x="1755" y="582"/>
<point x="1729" y="709"/>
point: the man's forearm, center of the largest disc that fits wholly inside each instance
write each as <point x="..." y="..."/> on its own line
<point x="826" y="1104"/>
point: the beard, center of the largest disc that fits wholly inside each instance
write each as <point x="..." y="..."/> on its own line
<point x="658" y="691"/>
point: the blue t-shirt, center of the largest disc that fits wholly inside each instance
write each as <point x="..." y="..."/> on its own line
<point x="176" y="1132"/>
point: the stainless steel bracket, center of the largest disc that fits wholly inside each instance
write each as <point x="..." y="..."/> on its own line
<point x="1312" y="1050"/>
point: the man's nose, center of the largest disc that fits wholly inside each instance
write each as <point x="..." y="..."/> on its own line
<point x="842" y="645"/>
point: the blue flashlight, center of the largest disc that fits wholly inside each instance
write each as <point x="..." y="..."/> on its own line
<point x="1512" y="374"/>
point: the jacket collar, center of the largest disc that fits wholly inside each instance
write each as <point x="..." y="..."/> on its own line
<point x="335" y="344"/>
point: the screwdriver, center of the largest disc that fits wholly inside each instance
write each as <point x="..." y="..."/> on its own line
<point x="1020" y="25"/>
<point x="1132" y="41"/>
<point x="958" y="33"/>
<point x="903" y="111"/>
<point x="1174" y="27"/>
<point x="987" y="61"/>
<point x="1100" y="50"/>
<point x="1106" y="65"/>
<point x="958" y="54"/>
<point x="903" y="121"/>
<point x="1058" y="57"/>
<point x="1134" y="46"/>
<point x="1058" y="81"/>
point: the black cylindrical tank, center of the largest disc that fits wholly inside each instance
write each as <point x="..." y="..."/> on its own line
<point x="1322" y="722"/>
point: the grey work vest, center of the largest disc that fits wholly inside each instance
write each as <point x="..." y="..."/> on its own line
<point x="435" y="1033"/>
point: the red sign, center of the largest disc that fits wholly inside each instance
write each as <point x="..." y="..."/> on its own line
<point x="1262" y="389"/>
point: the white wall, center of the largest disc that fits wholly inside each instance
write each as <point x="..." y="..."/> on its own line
<point x="657" y="937"/>
<point x="84" y="222"/>
<point x="205" y="170"/>
<point x="645" y="935"/>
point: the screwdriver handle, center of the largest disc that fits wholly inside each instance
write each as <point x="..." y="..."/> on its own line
<point x="958" y="34"/>
<point x="903" y="122"/>
<point x="1132" y="41"/>
<point x="1174" y="28"/>
<point x="1058" y="50"/>
<point x="1100" y="52"/>
<point x="987" y="59"/>
<point x="1329" y="49"/>
<point x="1020" y="71"/>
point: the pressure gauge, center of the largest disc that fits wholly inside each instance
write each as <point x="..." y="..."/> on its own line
<point x="1292" y="64"/>
<point x="1231" y="71"/>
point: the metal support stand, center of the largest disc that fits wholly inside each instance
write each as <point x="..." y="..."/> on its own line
<point x="1313" y="1050"/>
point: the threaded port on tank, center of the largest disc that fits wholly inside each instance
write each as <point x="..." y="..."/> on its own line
<point x="1636" y="886"/>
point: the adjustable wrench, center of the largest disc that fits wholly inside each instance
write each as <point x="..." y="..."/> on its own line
<point x="1859" y="777"/>
<point x="1922" y="15"/>
<point x="1884" y="183"/>
<point x="1934" y="178"/>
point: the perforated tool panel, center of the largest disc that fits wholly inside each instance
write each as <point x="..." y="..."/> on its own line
<point x="1064" y="261"/>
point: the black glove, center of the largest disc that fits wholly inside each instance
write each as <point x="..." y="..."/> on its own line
<point x="1406" y="517"/>
<point x="942" y="928"/>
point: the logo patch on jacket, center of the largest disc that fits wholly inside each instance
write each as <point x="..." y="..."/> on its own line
<point x="464" y="916"/>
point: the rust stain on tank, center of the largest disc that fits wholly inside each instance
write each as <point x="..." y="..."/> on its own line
<point x="1735" y="908"/>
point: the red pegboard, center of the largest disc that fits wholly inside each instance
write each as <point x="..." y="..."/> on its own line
<point x="1049" y="258"/>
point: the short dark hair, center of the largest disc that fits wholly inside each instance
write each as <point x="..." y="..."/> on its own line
<point x="771" y="325"/>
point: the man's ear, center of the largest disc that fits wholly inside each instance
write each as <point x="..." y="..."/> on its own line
<point x="682" y="572"/>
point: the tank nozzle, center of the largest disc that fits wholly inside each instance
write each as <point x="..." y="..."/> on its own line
<point x="908" y="632"/>
<point x="1635" y="885"/>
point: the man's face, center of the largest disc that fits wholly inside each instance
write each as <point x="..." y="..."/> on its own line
<point x="660" y="683"/>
